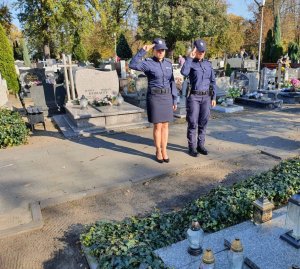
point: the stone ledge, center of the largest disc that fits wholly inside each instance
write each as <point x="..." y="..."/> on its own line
<point x="228" y="109"/>
<point x="36" y="223"/>
<point x="262" y="246"/>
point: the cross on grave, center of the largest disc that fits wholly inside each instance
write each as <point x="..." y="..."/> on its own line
<point x="67" y="65"/>
<point x="44" y="62"/>
<point x="279" y="76"/>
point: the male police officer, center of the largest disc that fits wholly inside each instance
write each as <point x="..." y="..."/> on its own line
<point x="200" y="99"/>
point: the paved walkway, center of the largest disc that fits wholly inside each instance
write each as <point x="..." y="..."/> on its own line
<point x="55" y="169"/>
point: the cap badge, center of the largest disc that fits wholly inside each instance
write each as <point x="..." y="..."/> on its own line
<point x="201" y="44"/>
<point x="159" y="42"/>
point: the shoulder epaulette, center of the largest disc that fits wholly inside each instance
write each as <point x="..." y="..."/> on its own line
<point x="168" y="60"/>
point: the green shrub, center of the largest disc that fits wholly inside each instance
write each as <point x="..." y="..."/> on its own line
<point x="228" y="70"/>
<point x="13" y="130"/>
<point x="233" y="92"/>
<point x="7" y="66"/>
<point x="123" y="49"/>
<point x="128" y="243"/>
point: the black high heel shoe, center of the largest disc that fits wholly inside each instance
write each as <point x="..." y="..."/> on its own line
<point x="167" y="160"/>
<point x="158" y="160"/>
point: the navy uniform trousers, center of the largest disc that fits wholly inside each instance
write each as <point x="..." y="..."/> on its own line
<point x="197" y="116"/>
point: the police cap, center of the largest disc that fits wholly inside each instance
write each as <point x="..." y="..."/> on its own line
<point x="200" y="45"/>
<point x="160" y="44"/>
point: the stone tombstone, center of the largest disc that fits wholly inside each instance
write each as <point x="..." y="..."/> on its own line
<point x="222" y="84"/>
<point x="42" y="88"/>
<point x="253" y="81"/>
<point x="291" y="73"/>
<point x="94" y="84"/>
<point x="141" y="84"/>
<point x="241" y="80"/>
<point x="267" y="76"/>
<point x="217" y="63"/>
<point x="3" y="92"/>
<point x="221" y="64"/>
<point x="235" y="62"/>
<point x="123" y="69"/>
<point x="249" y="64"/>
<point x="214" y="64"/>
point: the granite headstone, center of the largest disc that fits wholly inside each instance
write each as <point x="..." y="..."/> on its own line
<point x="222" y="83"/>
<point x="235" y="62"/>
<point x="94" y="84"/>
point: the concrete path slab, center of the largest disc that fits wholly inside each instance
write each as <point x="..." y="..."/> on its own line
<point x="55" y="169"/>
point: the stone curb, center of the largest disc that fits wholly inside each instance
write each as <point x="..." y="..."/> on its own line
<point x="36" y="223"/>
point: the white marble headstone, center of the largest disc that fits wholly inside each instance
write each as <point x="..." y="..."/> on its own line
<point x="123" y="69"/>
<point x="3" y="92"/>
<point x="94" y="84"/>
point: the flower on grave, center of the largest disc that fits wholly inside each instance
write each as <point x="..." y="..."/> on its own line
<point x="286" y="84"/>
<point x="295" y="83"/>
<point x="233" y="92"/>
<point x="108" y="100"/>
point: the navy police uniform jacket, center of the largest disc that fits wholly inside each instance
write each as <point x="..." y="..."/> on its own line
<point x="159" y="73"/>
<point x="201" y="75"/>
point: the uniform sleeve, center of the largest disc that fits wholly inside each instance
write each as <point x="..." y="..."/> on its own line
<point x="213" y="83"/>
<point x="186" y="68"/>
<point x="173" y="89"/>
<point x="137" y="63"/>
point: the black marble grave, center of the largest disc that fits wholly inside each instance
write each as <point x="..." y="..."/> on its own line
<point x="289" y="97"/>
<point x="272" y="104"/>
<point x="44" y="89"/>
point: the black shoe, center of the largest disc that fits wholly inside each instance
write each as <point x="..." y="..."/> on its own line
<point x="193" y="152"/>
<point x="158" y="160"/>
<point x="167" y="160"/>
<point x="202" y="150"/>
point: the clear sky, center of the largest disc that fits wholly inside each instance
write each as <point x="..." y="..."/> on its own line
<point x="238" y="7"/>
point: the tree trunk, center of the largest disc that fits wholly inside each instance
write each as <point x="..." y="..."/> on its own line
<point x="46" y="51"/>
<point x="171" y="47"/>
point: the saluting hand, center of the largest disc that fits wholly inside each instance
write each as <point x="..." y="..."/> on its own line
<point x="148" y="47"/>
<point x="193" y="53"/>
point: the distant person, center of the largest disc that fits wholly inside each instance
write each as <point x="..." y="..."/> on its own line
<point x="243" y="54"/>
<point x="181" y="60"/>
<point x="161" y="95"/>
<point x="252" y="56"/>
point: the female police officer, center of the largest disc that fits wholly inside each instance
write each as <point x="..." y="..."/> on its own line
<point x="161" y="95"/>
<point x="199" y="101"/>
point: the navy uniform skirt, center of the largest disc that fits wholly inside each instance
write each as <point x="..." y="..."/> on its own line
<point x="159" y="107"/>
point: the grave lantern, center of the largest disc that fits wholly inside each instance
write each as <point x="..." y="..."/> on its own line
<point x="83" y="102"/>
<point x="208" y="260"/>
<point x="195" y="237"/>
<point x="262" y="210"/>
<point x="236" y="255"/>
<point x="293" y="221"/>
